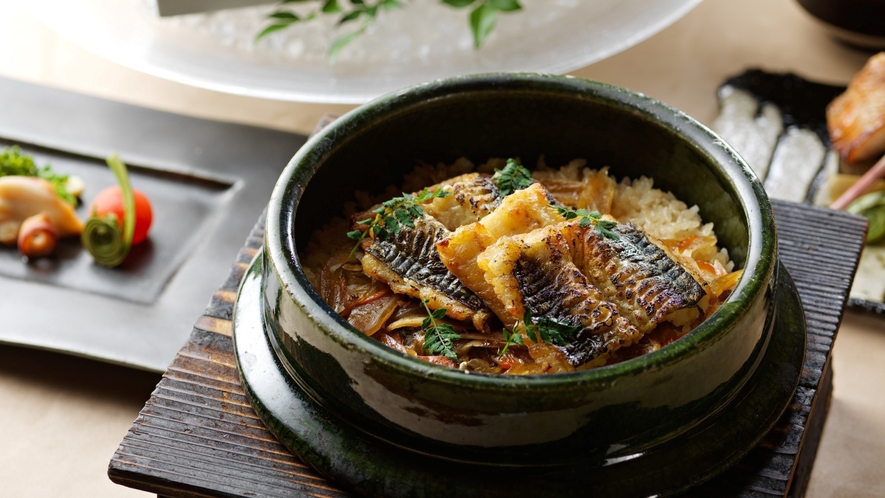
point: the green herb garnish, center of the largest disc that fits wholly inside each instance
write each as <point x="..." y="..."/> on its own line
<point x="483" y="17"/>
<point x="513" y="177"/>
<point x="14" y="163"/>
<point x="545" y="329"/>
<point x="590" y="218"/>
<point x="438" y="337"/>
<point x="393" y="213"/>
<point x="106" y="238"/>
<point x="510" y="339"/>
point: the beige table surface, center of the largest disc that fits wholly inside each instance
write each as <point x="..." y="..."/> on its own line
<point x="61" y="418"/>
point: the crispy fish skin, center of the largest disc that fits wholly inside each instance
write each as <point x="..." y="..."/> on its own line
<point x="634" y="272"/>
<point x="535" y="271"/>
<point x="614" y="290"/>
<point x="471" y="197"/>
<point x="856" y="119"/>
<point x="409" y="263"/>
<point x="553" y="287"/>
<point x="519" y="212"/>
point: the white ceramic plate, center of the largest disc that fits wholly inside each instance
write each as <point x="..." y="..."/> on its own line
<point x="421" y="42"/>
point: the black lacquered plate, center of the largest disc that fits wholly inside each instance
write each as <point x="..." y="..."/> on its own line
<point x="788" y="161"/>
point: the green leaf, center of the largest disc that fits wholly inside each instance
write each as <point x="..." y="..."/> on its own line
<point x="556" y="332"/>
<point x="331" y="7"/>
<point x="404" y="217"/>
<point x="440" y="313"/>
<point x="512" y="178"/>
<point x="438" y="341"/>
<point x="391" y="4"/>
<point x="506" y="5"/>
<point x="270" y="29"/>
<point x="458" y="4"/>
<point x="482" y="22"/>
<point x="350" y="16"/>
<point x="342" y="42"/>
<point x="355" y="234"/>
<point x="285" y="16"/>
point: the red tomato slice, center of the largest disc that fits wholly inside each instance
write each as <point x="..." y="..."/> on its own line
<point x="110" y="200"/>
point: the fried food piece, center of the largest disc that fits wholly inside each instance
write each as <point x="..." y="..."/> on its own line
<point x="22" y="197"/>
<point x="614" y="289"/>
<point x="856" y="119"/>
<point x="519" y="212"/>
<point x="408" y="262"/>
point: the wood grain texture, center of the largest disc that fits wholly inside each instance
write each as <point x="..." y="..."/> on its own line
<point x="198" y="436"/>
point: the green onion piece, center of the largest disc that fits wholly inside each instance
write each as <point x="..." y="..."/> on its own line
<point x="102" y="236"/>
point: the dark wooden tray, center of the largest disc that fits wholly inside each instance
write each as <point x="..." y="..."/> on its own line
<point x="198" y="435"/>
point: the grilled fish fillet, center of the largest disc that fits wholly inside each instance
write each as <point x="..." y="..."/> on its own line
<point x="614" y="290"/>
<point x="634" y="272"/>
<point x="856" y="119"/>
<point x="409" y="263"/>
<point x="519" y="212"/>
<point x="471" y="197"/>
<point x="535" y="271"/>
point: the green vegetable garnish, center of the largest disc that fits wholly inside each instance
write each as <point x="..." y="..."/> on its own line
<point x="103" y="237"/>
<point x="590" y="218"/>
<point x="438" y="337"/>
<point x="513" y="177"/>
<point x="483" y="17"/>
<point x="14" y="163"/>
<point x="872" y="206"/>
<point x="544" y="329"/>
<point x="393" y="213"/>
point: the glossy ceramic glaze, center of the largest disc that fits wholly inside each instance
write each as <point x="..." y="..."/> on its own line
<point x="605" y="413"/>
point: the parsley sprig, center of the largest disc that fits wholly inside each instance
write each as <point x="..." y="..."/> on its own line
<point x="392" y="214"/>
<point x="590" y="218"/>
<point x="546" y="329"/>
<point x="483" y="17"/>
<point x="513" y="177"/>
<point x="438" y="337"/>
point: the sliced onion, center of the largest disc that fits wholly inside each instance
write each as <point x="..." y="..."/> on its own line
<point x="371" y="317"/>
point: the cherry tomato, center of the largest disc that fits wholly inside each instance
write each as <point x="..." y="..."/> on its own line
<point x="110" y="200"/>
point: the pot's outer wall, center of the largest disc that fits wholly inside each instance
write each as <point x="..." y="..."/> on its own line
<point x="630" y="406"/>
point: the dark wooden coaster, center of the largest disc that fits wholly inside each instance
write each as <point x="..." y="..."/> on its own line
<point x="198" y="435"/>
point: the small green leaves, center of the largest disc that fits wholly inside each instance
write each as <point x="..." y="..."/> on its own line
<point x="482" y="22"/>
<point x="593" y="218"/>
<point x="506" y="5"/>
<point x="330" y="7"/>
<point x="548" y="330"/>
<point x="510" y="339"/>
<point x="438" y="337"/>
<point x="392" y="214"/>
<point x="458" y="4"/>
<point x="482" y="18"/>
<point x="543" y="329"/>
<point x="513" y="177"/>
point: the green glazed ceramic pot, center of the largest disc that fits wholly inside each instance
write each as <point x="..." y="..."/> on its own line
<point x="607" y="413"/>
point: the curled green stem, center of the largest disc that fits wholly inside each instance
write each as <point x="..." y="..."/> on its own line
<point x="103" y="237"/>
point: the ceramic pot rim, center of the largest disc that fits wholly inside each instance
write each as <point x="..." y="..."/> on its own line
<point x="760" y="258"/>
